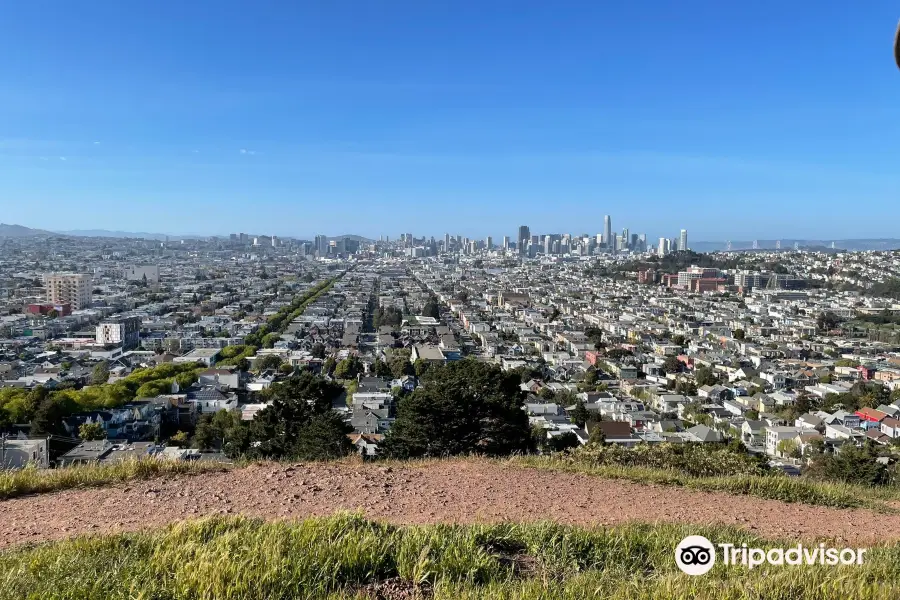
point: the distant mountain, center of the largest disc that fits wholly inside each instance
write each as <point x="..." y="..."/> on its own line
<point x="114" y="234"/>
<point x="18" y="231"/>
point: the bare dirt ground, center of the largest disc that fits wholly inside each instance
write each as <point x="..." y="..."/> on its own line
<point x="463" y="491"/>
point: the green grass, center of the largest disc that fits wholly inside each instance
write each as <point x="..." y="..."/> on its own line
<point x="30" y="480"/>
<point x="239" y="558"/>
<point x="771" y="487"/>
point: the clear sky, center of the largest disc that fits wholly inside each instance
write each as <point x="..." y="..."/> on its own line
<point x="735" y="120"/>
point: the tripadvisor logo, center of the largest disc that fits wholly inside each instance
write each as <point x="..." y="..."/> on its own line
<point x="696" y="555"/>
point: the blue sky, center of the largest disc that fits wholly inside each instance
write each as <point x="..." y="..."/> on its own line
<point x="735" y="120"/>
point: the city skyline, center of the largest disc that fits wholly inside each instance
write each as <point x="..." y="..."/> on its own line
<point x="477" y="117"/>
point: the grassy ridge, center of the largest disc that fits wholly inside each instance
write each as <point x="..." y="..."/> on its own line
<point x="770" y="487"/>
<point x="30" y="480"/>
<point x="231" y="558"/>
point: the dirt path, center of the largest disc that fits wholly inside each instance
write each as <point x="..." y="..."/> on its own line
<point x="457" y="491"/>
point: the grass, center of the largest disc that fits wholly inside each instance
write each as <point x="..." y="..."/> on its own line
<point x="31" y="480"/>
<point x="336" y="558"/>
<point x="771" y="487"/>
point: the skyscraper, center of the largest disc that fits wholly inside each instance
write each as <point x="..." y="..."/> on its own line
<point x="682" y="241"/>
<point x="488" y="243"/>
<point x="446" y="242"/>
<point x="663" y="247"/>
<point x="322" y="245"/>
<point x="625" y="239"/>
<point x="607" y="232"/>
<point x="506" y="242"/>
<point x="524" y="236"/>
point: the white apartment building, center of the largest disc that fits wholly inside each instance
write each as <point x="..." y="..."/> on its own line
<point x="124" y="331"/>
<point x="69" y="288"/>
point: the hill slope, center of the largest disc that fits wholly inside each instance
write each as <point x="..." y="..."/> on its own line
<point x="458" y="491"/>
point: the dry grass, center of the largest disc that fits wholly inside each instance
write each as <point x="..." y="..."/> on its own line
<point x="31" y="480"/>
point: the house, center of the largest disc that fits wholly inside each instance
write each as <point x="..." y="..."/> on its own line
<point x="20" y="453"/>
<point x="810" y="422"/>
<point x="753" y="433"/>
<point x="428" y="353"/>
<point x="775" y="435"/>
<point x="230" y="378"/>
<point x="207" y="356"/>
<point x="614" y="432"/>
<point x="871" y="415"/>
<point x="704" y="434"/>
<point x="891" y="427"/>
<point x="366" y="444"/>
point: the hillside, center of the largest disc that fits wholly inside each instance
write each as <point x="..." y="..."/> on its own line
<point x="20" y="231"/>
<point x="450" y="491"/>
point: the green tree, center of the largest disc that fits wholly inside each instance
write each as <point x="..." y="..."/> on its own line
<point x="705" y="376"/>
<point x="48" y="417"/>
<point x="738" y="334"/>
<point x="580" y="413"/>
<point x="400" y="365"/>
<point x="851" y="465"/>
<point x="381" y="369"/>
<point x="100" y="374"/>
<point x="318" y="351"/>
<point x="298" y="423"/>
<point x="268" y="340"/>
<point x="267" y="362"/>
<point x="91" y="432"/>
<point x="432" y="309"/>
<point x="464" y="407"/>
<point x="671" y="364"/>
<point x="348" y="368"/>
<point x="561" y="443"/>
<point x="180" y="439"/>
<point x="328" y="365"/>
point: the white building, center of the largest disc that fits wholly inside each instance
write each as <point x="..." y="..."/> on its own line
<point x="121" y="331"/>
<point x="150" y="273"/>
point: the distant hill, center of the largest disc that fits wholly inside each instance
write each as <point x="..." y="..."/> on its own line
<point x="115" y="234"/>
<point x="18" y="231"/>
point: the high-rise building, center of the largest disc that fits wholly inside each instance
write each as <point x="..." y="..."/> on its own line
<point x="506" y="242"/>
<point x="322" y="245"/>
<point x="69" y="288"/>
<point x="488" y="243"/>
<point x="663" y="248"/>
<point x="682" y="241"/>
<point x="607" y="232"/>
<point x="524" y="236"/>
<point x="625" y="239"/>
<point x="446" y="242"/>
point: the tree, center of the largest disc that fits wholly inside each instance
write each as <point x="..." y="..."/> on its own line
<point x="318" y="351"/>
<point x="100" y="374"/>
<point x="268" y="340"/>
<point x="679" y="340"/>
<point x="580" y="413"/>
<point x="298" y="423"/>
<point x="48" y="417"/>
<point x="180" y="439"/>
<point x="464" y="407"/>
<point x="432" y="309"/>
<point x="705" y="376"/>
<point x="213" y="430"/>
<point x="851" y="465"/>
<point x="738" y="334"/>
<point x="827" y="320"/>
<point x="268" y="362"/>
<point x="91" y="432"/>
<point x="672" y="364"/>
<point x="381" y="369"/>
<point x="328" y="365"/>
<point x="561" y="443"/>
<point x="348" y="368"/>
<point x="400" y="365"/>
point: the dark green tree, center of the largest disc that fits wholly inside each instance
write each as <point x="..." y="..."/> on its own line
<point x="464" y="407"/>
<point x="318" y="351"/>
<point x="580" y="414"/>
<point x="100" y="374"/>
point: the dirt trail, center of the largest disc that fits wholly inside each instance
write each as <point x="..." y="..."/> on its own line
<point x="445" y="491"/>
